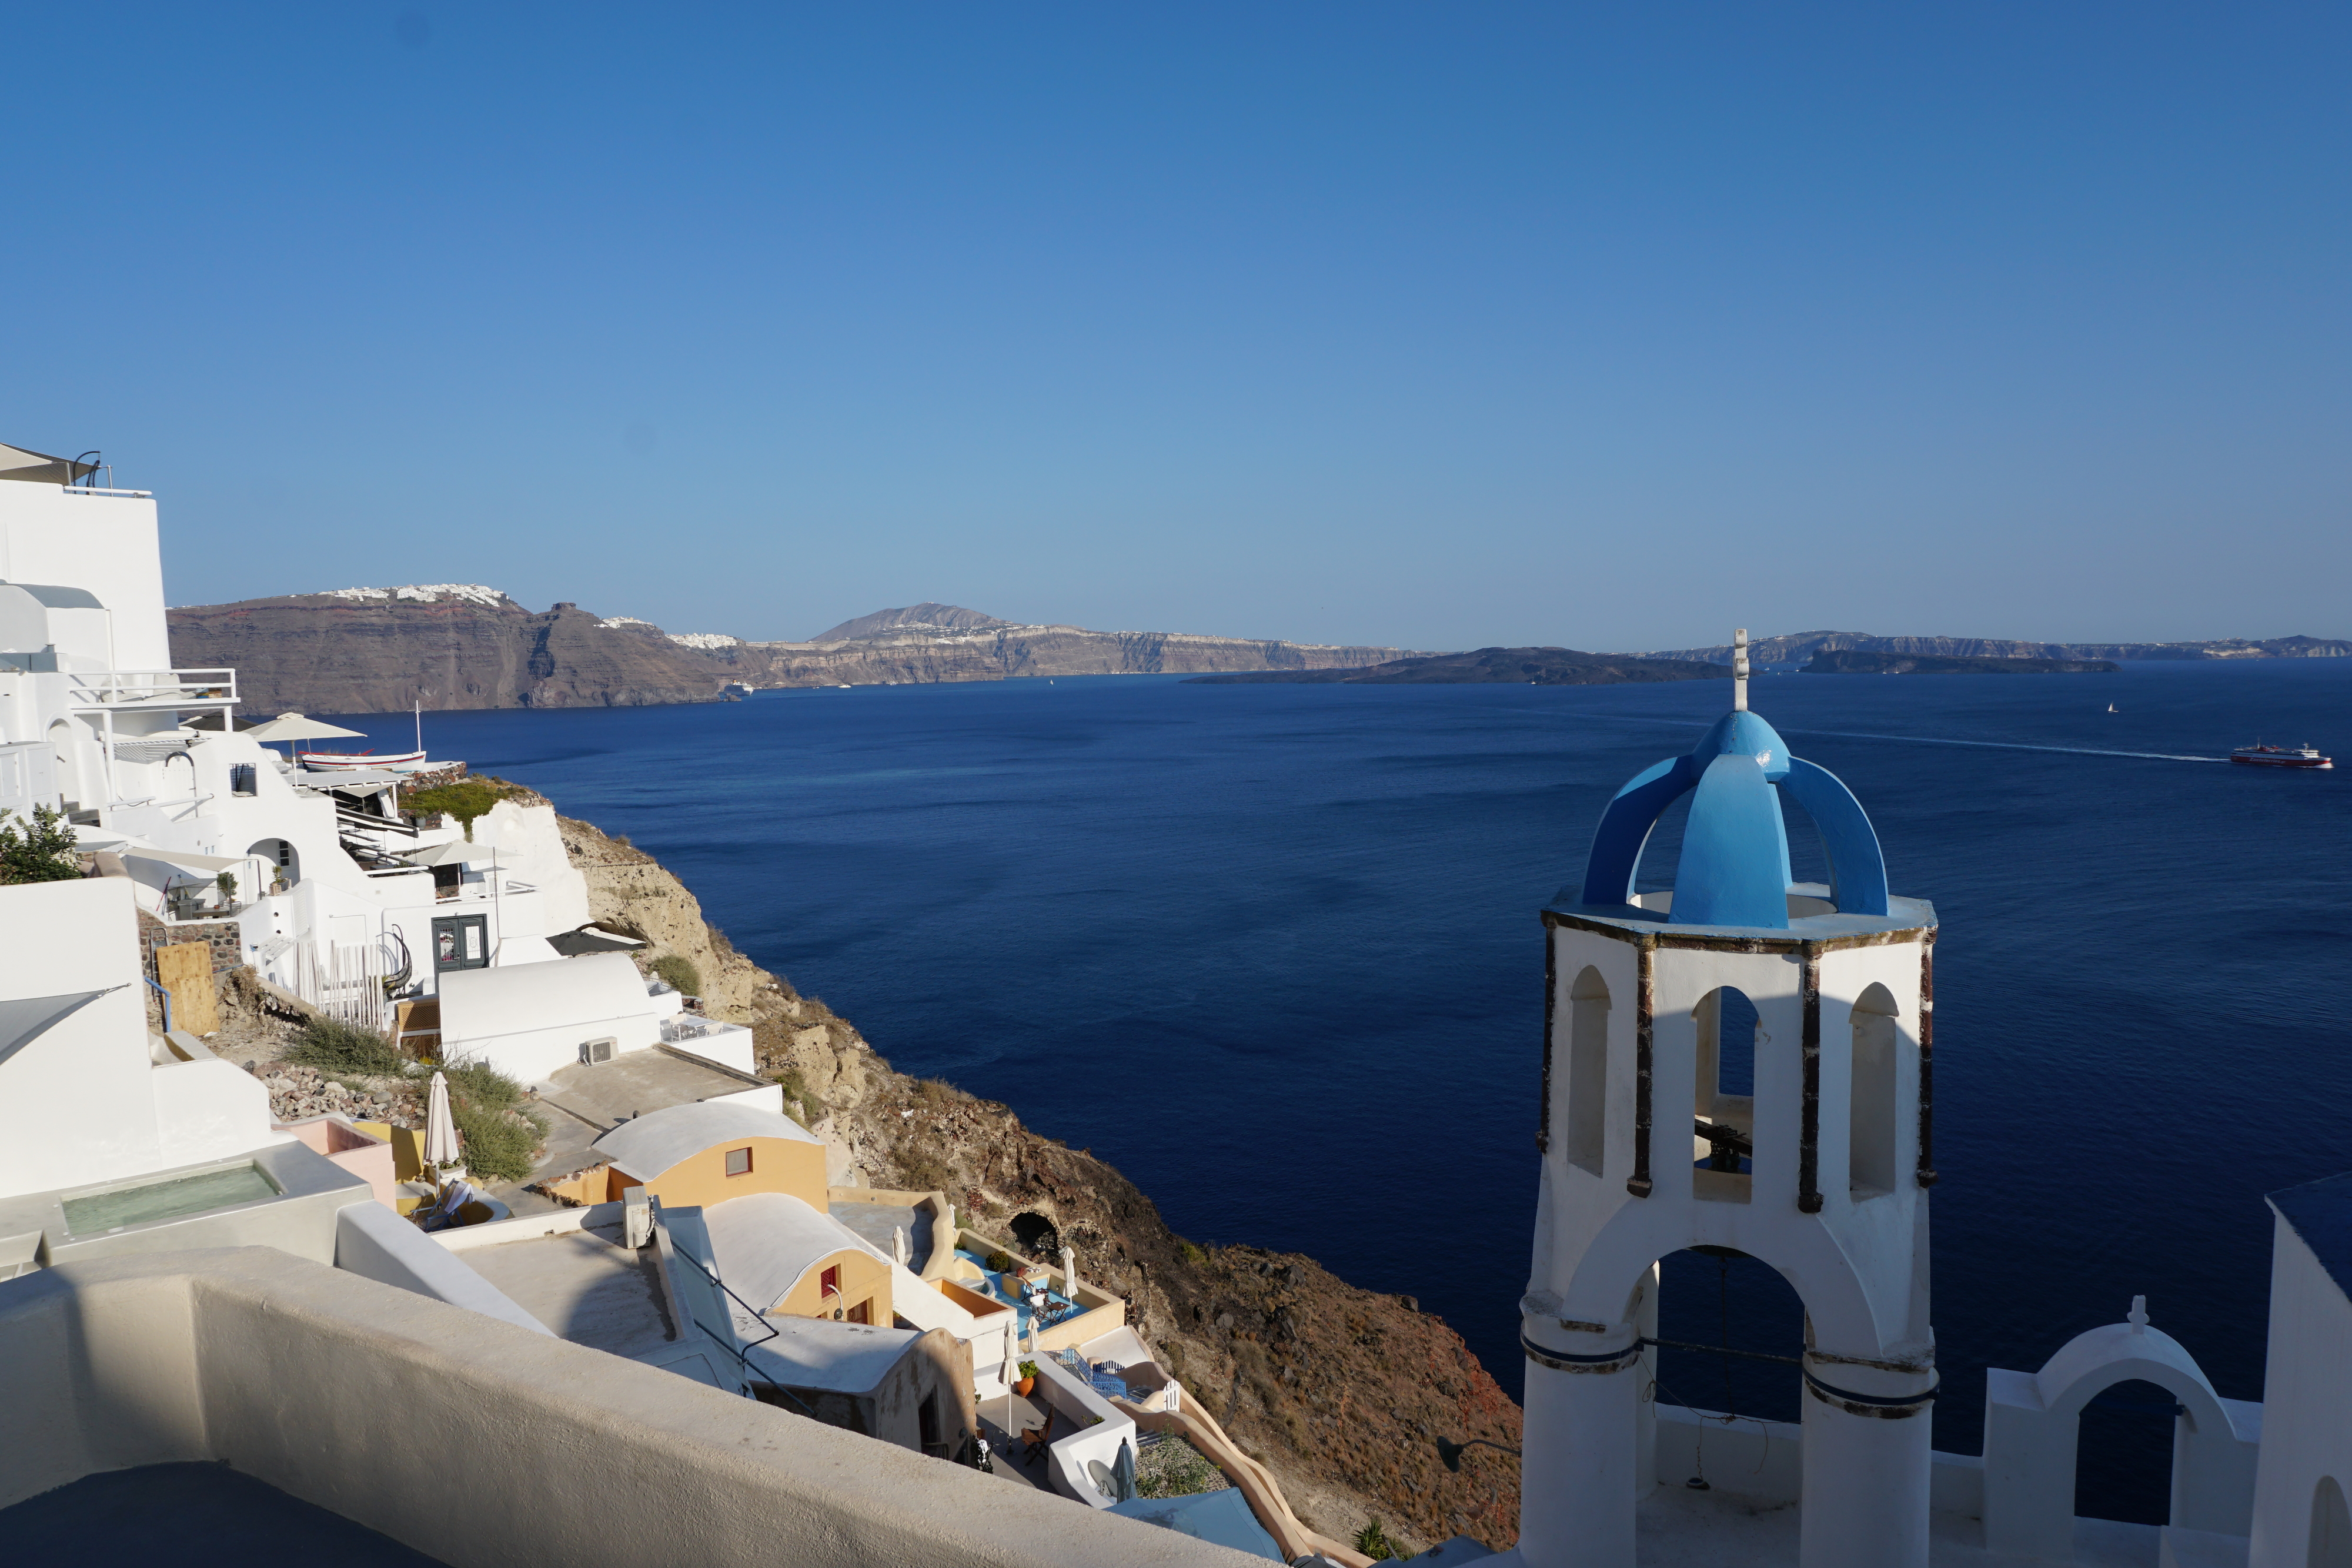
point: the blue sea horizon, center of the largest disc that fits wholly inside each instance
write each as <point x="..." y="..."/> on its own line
<point x="1272" y="951"/>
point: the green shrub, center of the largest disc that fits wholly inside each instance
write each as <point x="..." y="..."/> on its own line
<point x="1190" y="1253"/>
<point x="330" y="1045"/>
<point x="801" y="1102"/>
<point x="678" y="971"/>
<point x="480" y="1083"/>
<point x="500" y="1146"/>
<point x="466" y="800"/>
<point x="1000" y="1261"/>
<point x="43" y="851"/>
<point x="1374" y="1542"/>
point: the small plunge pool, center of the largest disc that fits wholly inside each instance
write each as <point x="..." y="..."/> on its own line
<point x="99" y="1213"/>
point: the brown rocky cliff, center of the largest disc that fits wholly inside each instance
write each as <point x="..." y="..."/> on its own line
<point x="1340" y="1392"/>
<point x="322" y="652"/>
<point x="318" y="653"/>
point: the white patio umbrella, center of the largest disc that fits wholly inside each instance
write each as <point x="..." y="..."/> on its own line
<point x="292" y="726"/>
<point x="440" y="1127"/>
<point x="456" y="853"/>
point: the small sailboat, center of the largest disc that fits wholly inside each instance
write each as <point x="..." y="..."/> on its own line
<point x="2110" y="707"/>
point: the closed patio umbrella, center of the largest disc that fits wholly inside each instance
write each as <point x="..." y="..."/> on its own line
<point x="440" y="1128"/>
<point x="1122" y="1472"/>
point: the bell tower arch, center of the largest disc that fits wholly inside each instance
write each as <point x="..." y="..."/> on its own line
<point x="1821" y="1169"/>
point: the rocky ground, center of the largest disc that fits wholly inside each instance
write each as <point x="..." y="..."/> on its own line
<point x="1340" y="1392"/>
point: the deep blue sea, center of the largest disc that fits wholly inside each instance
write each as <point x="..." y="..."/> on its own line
<point x="1272" y="951"/>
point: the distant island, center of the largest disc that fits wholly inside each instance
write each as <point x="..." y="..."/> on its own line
<point x="1853" y="662"/>
<point x="467" y="645"/>
<point x="1518" y="666"/>
<point x="1792" y="651"/>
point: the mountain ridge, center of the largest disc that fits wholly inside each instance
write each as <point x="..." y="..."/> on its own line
<point x="470" y="645"/>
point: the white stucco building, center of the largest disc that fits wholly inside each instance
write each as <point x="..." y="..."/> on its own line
<point x="314" y="873"/>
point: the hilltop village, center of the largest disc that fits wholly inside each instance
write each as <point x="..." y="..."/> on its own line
<point x="389" y="1156"/>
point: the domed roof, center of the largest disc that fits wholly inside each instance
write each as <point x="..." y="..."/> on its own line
<point x="1733" y="869"/>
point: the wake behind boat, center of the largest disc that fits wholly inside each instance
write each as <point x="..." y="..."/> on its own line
<point x="2259" y="755"/>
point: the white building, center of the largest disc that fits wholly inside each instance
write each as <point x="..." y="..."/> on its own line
<point x="310" y="876"/>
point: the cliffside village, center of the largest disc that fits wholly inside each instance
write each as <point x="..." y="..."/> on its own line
<point x="347" y="1148"/>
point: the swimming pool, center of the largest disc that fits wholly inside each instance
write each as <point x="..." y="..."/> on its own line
<point x="176" y="1197"/>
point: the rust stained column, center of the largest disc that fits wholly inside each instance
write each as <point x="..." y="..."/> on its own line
<point x="1644" y="1003"/>
<point x="1808" y="1126"/>
<point x="1927" y="1059"/>
<point x="1551" y="993"/>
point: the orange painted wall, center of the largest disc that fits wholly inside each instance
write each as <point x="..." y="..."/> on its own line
<point x="864" y="1278"/>
<point x="778" y="1164"/>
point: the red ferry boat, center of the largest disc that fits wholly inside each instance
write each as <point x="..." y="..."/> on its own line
<point x="2281" y="756"/>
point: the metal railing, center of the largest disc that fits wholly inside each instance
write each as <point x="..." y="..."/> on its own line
<point x="118" y="691"/>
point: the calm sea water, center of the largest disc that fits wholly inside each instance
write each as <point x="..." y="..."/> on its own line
<point x="1272" y="951"/>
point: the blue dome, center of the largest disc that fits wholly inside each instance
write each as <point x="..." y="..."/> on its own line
<point x="1733" y="869"/>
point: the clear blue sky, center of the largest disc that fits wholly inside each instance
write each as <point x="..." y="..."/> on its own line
<point x="1436" y="325"/>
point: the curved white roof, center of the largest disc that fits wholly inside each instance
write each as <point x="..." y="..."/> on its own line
<point x="764" y="1241"/>
<point x="644" y="1146"/>
<point x="512" y="998"/>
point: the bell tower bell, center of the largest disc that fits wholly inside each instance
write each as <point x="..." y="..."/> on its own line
<point x="1821" y="1170"/>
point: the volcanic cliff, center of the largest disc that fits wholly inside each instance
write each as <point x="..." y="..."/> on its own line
<point x="459" y="645"/>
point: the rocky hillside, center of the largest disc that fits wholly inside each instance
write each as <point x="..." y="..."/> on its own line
<point x="459" y="645"/>
<point x="1340" y="1392"/>
<point x="1794" y="649"/>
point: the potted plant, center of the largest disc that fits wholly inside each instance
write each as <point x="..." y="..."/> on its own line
<point x="1027" y="1380"/>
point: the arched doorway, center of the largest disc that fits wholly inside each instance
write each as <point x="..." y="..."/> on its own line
<point x="2122" y="1454"/>
<point x="281" y="854"/>
<point x="64" y="746"/>
<point x="1751" y="1316"/>
<point x="2331" y="1527"/>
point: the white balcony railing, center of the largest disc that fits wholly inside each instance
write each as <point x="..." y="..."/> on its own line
<point x="144" y="690"/>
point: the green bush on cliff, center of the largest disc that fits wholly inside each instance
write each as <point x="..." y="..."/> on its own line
<point x="330" y="1045"/>
<point x="678" y="971"/>
<point x="1374" y="1542"/>
<point x="43" y="851"/>
<point x="500" y="1138"/>
<point x="466" y="800"/>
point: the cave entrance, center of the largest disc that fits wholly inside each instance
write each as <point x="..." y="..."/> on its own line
<point x="1037" y="1237"/>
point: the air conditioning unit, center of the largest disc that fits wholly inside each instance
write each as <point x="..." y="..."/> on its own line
<point x="593" y="1051"/>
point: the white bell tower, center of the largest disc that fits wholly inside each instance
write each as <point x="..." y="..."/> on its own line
<point x="1821" y="1172"/>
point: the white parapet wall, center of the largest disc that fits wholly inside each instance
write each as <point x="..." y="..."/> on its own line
<point x="374" y="1243"/>
<point x="480" y="1444"/>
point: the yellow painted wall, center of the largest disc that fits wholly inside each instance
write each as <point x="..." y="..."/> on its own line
<point x="864" y="1278"/>
<point x="778" y="1164"/>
